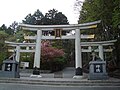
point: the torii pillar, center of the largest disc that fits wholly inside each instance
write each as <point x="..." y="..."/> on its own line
<point x="101" y="52"/>
<point x="38" y="49"/>
<point x="78" y="56"/>
<point x="17" y="53"/>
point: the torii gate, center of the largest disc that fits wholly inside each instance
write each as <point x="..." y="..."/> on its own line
<point x="58" y="28"/>
<point x="100" y="48"/>
<point x="89" y="45"/>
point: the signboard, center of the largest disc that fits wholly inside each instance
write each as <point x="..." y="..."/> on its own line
<point x="24" y="64"/>
<point x="8" y="67"/>
<point x="98" y="68"/>
<point x="58" y="33"/>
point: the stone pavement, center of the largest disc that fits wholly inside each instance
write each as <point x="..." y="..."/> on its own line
<point x="66" y="73"/>
<point x="64" y="77"/>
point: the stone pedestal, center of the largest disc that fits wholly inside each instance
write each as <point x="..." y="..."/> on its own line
<point x="10" y="69"/>
<point x="97" y="70"/>
<point x="79" y="71"/>
<point x="36" y="73"/>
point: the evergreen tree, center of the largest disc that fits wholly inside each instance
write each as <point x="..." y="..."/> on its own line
<point x="93" y="10"/>
<point x="53" y="17"/>
<point x="33" y="19"/>
<point x="3" y="50"/>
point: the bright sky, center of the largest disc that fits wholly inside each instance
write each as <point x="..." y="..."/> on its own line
<point x="16" y="10"/>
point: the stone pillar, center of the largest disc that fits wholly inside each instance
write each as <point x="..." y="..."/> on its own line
<point x="17" y="53"/>
<point x="101" y="52"/>
<point x="78" y="57"/>
<point x="38" y="49"/>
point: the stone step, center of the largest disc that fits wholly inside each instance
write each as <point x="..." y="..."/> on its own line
<point x="65" y="82"/>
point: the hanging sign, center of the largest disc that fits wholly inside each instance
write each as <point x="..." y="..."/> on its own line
<point x="58" y="33"/>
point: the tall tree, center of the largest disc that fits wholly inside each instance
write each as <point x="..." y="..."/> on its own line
<point x="116" y="17"/>
<point x="6" y="30"/>
<point x="33" y="19"/>
<point x="116" y="13"/>
<point x="60" y="19"/>
<point x="108" y="11"/>
<point x="3" y="50"/>
<point x="53" y="17"/>
<point x="14" y="27"/>
<point x="29" y="19"/>
<point x="93" y="10"/>
<point x="3" y="28"/>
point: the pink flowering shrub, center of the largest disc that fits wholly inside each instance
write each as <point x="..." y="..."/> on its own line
<point x="51" y="54"/>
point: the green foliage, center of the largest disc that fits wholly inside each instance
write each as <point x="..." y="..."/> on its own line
<point x="18" y="37"/>
<point x="53" y="17"/>
<point x="116" y="14"/>
<point x="33" y="19"/>
<point x="93" y="10"/>
<point x="3" y="35"/>
<point x="12" y="29"/>
<point x="3" y="50"/>
<point x="105" y="10"/>
<point x="56" y="64"/>
<point x="3" y="55"/>
<point x="3" y="28"/>
<point x="108" y="11"/>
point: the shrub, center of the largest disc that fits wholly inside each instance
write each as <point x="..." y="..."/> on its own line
<point x="51" y="58"/>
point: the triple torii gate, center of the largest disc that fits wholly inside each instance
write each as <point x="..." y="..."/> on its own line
<point x="89" y="45"/>
<point x="100" y="47"/>
<point x="58" y="29"/>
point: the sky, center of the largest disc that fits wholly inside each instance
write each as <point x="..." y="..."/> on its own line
<point x="17" y="10"/>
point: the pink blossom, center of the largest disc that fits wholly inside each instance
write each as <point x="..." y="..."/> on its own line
<point x="49" y="53"/>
